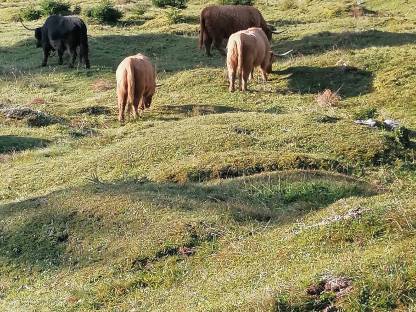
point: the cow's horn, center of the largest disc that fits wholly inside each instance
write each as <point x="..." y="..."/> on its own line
<point x="25" y="26"/>
<point x="284" y="54"/>
<point x="159" y="85"/>
<point x="277" y="32"/>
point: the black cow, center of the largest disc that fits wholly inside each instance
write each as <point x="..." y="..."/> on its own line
<point x="63" y="33"/>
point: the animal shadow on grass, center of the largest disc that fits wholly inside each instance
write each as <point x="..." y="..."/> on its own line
<point x="11" y="143"/>
<point x="196" y="110"/>
<point x="169" y="52"/>
<point x="326" y="41"/>
<point x="350" y="81"/>
<point x="178" y="112"/>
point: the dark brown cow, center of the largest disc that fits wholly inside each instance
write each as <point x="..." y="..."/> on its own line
<point x="218" y="22"/>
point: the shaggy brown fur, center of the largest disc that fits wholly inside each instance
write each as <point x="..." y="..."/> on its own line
<point x="218" y="22"/>
<point x="136" y="84"/>
<point x="246" y="50"/>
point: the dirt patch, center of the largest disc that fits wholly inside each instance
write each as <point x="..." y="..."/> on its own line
<point x="37" y="101"/>
<point x="33" y="118"/>
<point x="102" y="85"/>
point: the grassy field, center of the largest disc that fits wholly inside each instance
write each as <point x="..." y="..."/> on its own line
<point x="212" y="201"/>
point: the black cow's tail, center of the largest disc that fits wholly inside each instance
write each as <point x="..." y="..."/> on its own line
<point x="84" y="48"/>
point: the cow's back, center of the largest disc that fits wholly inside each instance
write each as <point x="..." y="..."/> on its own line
<point x="224" y="20"/>
<point x="58" y="27"/>
<point x="143" y="72"/>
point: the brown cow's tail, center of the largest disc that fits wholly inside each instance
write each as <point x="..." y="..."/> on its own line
<point x="201" y="31"/>
<point x="131" y="87"/>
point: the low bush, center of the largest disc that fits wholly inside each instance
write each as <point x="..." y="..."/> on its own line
<point x="180" y="4"/>
<point x="54" y="7"/>
<point x="29" y="14"/>
<point x="104" y="13"/>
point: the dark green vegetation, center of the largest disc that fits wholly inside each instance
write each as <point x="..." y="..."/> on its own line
<point x="180" y="4"/>
<point x="104" y="13"/>
<point x="212" y="201"/>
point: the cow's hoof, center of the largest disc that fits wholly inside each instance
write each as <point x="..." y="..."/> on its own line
<point x="87" y="66"/>
<point x="43" y="64"/>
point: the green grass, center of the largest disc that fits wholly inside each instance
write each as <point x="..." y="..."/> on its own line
<point x="212" y="201"/>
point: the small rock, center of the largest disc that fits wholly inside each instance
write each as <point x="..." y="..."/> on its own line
<point x="369" y="122"/>
<point x="391" y="124"/>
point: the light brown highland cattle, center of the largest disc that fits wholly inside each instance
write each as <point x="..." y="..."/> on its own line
<point x="136" y="84"/>
<point x="247" y="49"/>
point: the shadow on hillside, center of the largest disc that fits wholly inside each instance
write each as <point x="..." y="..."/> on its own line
<point x="12" y="143"/>
<point x="41" y="227"/>
<point x="325" y="41"/>
<point x="350" y="81"/>
<point x="169" y="52"/>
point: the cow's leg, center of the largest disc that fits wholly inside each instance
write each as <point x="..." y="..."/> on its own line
<point x="231" y="78"/>
<point x="83" y="54"/>
<point x="121" y="108"/>
<point x="251" y="75"/>
<point x="218" y="46"/>
<point x="137" y="101"/>
<point x="208" y="43"/>
<point x="264" y="75"/>
<point x="46" y="51"/>
<point x="60" y="56"/>
<point x="245" y="74"/>
<point x="73" y="53"/>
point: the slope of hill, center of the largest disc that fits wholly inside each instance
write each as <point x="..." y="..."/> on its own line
<point x="257" y="201"/>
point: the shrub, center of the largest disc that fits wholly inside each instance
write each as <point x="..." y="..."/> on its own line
<point x="104" y="13"/>
<point x="174" y="16"/>
<point x="30" y="14"/>
<point x="237" y="2"/>
<point x="51" y="7"/>
<point x="180" y="4"/>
